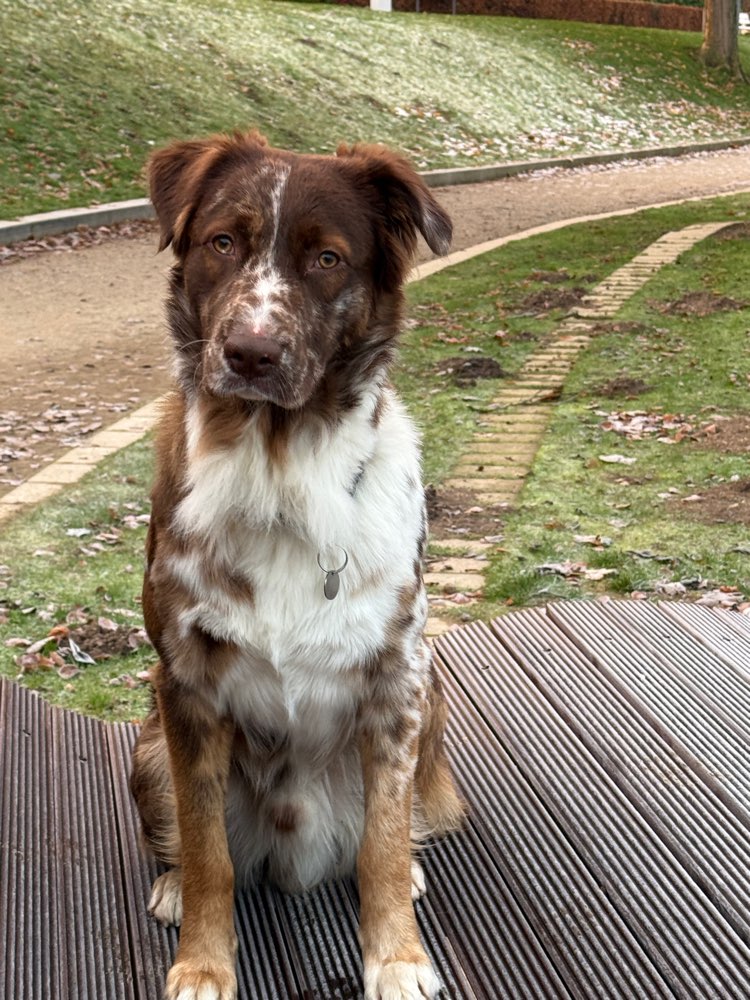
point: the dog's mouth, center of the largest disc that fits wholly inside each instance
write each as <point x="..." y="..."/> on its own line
<point x="279" y="384"/>
<point x="266" y="388"/>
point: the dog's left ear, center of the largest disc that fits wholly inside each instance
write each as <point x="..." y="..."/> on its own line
<point x="404" y="203"/>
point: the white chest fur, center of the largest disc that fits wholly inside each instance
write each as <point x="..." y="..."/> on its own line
<point x="354" y="489"/>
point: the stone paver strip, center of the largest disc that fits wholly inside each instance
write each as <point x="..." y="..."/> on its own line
<point x="74" y="464"/>
<point x="461" y="546"/>
<point x="30" y="492"/>
<point x="59" y="472"/>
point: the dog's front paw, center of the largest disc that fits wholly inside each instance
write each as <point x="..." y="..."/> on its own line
<point x="187" y="982"/>
<point x="401" y="981"/>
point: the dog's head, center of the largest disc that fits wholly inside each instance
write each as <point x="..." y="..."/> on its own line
<point x="288" y="265"/>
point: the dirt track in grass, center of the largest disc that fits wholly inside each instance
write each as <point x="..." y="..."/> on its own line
<point x="81" y="328"/>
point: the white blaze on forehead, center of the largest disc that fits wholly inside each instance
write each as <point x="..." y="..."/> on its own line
<point x="281" y="170"/>
<point x="267" y="284"/>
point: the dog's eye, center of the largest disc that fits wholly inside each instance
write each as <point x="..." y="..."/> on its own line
<point x="328" y="259"/>
<point x="223" y="244"/>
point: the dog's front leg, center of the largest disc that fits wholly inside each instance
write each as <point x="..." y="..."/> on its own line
<point x="396" y="966"/>
<point x="199" y="744"/>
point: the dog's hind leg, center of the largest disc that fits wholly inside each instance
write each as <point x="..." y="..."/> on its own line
<point x="166" y="898"/>
<point x="440" y="809"/>
<point x="151" y="788"/>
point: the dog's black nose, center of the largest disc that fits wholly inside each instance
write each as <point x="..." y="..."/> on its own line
<point x="250" y="356"/>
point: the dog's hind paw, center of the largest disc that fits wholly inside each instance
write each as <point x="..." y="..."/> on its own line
<point x="401" y="981"/>
<point x="166" y="898"/>
<point x="418" y="884"/>
<point x="185" y="982"/>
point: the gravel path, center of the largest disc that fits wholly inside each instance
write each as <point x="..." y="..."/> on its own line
<point x="81" y="328"/>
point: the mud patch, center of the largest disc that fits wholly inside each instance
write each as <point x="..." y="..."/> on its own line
<point x="546" y="299"/>
<point x="623" y="327"/>
<point x="739" y="231"/>
<point x="458" y="512"/>
<point x="465" y="371"/>
<point x="728" y="437"/>
<point x="727" y="503"/>
<point x="550" y="277"/>
<point x="102" y="642"/>
<point x="698" y="304"/>
<point x="623" y="385"/>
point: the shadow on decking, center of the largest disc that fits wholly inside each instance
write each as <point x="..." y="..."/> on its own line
<point x="605" y="753"/>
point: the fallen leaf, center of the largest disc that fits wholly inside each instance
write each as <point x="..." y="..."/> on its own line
<point x="669" y="588"/>
<point x="720" y="599"/>
<point x="67" y="670"/>
<point x="78" y="654"/>
<point x="566" y="569"/>
<point x="598" y="574"/>
<point x="598" y="541"/>
<point x="617" y="459"/>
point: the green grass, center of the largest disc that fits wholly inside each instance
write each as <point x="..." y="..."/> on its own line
<point x="47" y="574"/>
<point x="89" y="88"/>
<point x="694" y="366"/>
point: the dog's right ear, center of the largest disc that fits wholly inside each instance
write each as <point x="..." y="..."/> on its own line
<point x="175" y="175"/>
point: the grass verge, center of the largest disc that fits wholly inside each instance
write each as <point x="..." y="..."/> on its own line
<point x="89" y="88"/>
<point x="646" y="457"/>
<point x="75" y="562"/>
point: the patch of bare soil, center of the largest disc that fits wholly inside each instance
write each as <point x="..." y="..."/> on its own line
<point x="623" y="385"/>
<point x="104" y="639"/>
<point x="740" y="231"/>
<point x="619" y="327"/>
<point x="458" y="513"/>
<point x="698" y="304"/>
<point x="465" y="371"/>
<point x="730" y="437"/>
<point x="551" y="277"/>
<point x="544" y="300"/>
<point x="726" y="503"/>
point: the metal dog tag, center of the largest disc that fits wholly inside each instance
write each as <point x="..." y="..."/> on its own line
<point x="332" y="581"/>
<point x="331" y="584"/>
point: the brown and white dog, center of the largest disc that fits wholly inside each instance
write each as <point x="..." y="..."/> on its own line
<point x="297" y="730"/>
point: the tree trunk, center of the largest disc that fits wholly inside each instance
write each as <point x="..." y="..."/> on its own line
<point x="720" y="31"/>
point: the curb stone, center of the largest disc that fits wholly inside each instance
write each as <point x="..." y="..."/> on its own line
<point x="139" y="209"/>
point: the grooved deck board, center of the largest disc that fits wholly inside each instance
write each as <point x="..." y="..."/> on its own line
<point x="604" y="752"/>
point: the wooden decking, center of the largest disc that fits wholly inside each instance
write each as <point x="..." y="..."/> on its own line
<point x="605" y="754"/>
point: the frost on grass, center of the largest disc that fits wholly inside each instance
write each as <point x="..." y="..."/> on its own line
<point x="446" y="90"/>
